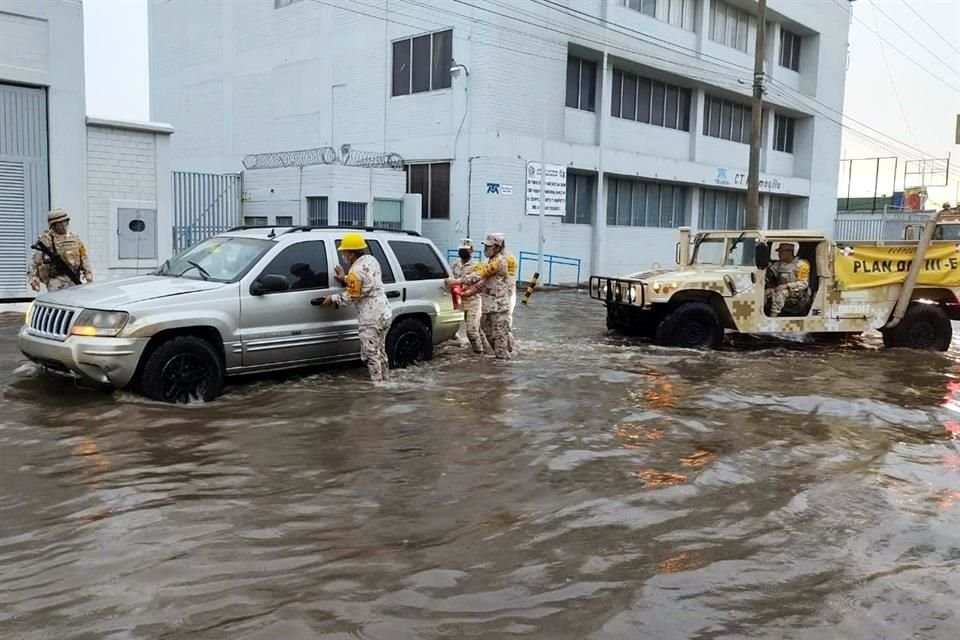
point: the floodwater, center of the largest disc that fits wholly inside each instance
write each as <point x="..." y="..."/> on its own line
<point x="591" y="489"/>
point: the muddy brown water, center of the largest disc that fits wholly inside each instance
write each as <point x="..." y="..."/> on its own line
<point x="593" y="488"/>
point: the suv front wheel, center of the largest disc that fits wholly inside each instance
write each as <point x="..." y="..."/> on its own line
<point x="409" y="342"/>
<point x="182" y="369"/>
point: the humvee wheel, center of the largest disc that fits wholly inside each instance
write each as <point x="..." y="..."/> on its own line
<point x="692" y="325"/>
<point x="925" y="327"/>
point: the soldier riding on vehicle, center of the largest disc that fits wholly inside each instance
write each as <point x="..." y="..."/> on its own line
<point x="59" y="258"/>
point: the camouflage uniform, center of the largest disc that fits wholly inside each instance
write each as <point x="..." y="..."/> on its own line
<point x="796" y="296"/>
<point x="493" y="278"/>
<point x="69" y="247"/>
<point x="471" y="305"/>
<point x="364" y="289"/>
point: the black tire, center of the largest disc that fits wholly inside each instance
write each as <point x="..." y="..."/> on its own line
<point x="692" y="325"/>
<point x="925" y="327"/>
<point x="409" y="341"/>
<point x="182" y="369"/>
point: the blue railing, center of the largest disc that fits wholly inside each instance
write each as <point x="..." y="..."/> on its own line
<point x="527" y="256"/>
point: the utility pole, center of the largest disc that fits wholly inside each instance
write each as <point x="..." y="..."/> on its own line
<point x="753" y="173"/>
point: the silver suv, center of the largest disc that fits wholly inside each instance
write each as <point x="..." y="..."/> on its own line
<point x="246" y="301"/>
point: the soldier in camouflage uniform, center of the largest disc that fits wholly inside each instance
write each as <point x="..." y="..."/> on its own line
<point x="493" y="280"/>
<point x="471" y="302"/>
<point x="788" y="283"/>
<point x="63" y="242"/>
<point x="364" y="289"/>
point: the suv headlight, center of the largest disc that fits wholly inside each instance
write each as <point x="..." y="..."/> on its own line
<point x="26" y="317"/>
<point x="100" y="323"/>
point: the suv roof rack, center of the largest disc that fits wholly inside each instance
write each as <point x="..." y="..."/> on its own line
<point x="299" y="228"/>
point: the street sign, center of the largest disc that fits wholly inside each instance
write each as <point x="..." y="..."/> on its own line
<point x="555" y="190"/>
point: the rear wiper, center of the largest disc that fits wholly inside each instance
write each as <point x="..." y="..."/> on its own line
<point x="193" y="265"/>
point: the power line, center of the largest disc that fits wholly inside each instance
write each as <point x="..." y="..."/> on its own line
<point x="876" y="8"/>
<point x="932" y="28"/>
<point x="893" y="85"/>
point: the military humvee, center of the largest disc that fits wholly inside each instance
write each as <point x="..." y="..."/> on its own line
<point x="719" y="287"/>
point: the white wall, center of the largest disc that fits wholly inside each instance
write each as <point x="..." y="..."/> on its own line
<point x="41" y="45"/>
<point x="128" y="166"/>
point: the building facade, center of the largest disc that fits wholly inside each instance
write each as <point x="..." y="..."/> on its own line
<point x="641" y="107"/>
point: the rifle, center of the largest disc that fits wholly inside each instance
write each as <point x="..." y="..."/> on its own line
<point x="58" y="262"/>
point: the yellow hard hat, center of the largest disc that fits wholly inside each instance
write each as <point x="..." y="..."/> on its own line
<point x="353" y="242"/>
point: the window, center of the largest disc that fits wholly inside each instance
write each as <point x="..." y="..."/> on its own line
<point x="284" y="221"/>
<point x="255" y="221"/>
<point x="789" y="50"/>
<point x="779" y="216"/>
<point x="388" y="214"/>
<point x="581" y="84"/>
<point x="650" y="101"/>
<point x="581" y="190"/>
<point x="783" y="133"/>
<point x="304" y="265"/>
<point x="422" y="64"/>
<point x="732" y="26"/>
<point x="317" y="211"/>
<point x="374" y="249"/>
<point x="726" y="120"/>
<point x="418" y="260"/>
<point x="722" y="209"/>
<point x="222" y="259"/>
<point x="679" y="13"/>
<point x="432" y="182"/>
<point x="352" y="214"/>
<point x="642" y="203"/>
<point x="279" y="4"/>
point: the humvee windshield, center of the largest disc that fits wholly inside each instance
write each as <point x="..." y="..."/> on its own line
<point x="947" y="232"/>
<point x="709" y="251"/>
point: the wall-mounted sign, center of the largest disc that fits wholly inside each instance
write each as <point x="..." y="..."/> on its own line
<point x="739" y="179"/>
<point x="498" y="189"/>
<point x="555" y="190"/>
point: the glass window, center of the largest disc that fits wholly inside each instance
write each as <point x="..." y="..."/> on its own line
<point x="255" y="221"/>
<point x="580" y="198"/>
<point x="708" y="251"/>
<point x="418" y="260"/>
<point x="401" y="67"/>
<point x="783" y="134"/>
<point x="624" y="199"/>
<point x="731" y="26"/>
<point x="388" y="214"/>
<point x="284" y="221"/>
<point x="742" y="252"/>
<point x="219" y="259"/>
<point x="715" y="105"/>
<point x="638" y="218"/>
<point x="581" y="84"/>
<point x="573" y="82"/>
<point x="736" y="124"/>
<point x="374" y="249"/>
<point x="657" y="99"/>
<point x="612" y="201"/>
<point x="629" y="96"/>
<point x="670" y="116"/>
<point x="617" y="89"/>
<point x="442" y="59"/>
<point x="421" y="64"/>
<point x="304" y="265"/>
<point x="352" y="214"/>
<point x="684" y="110"/>
<point x="726" y="113"/>
<point x="643" y="100"/>
<point x="317" y="211"/>
<point x="789" y="50"/>
<point x="708" y="209"/>
<point x="726" y="120"/>
<point x="432" y="182"/>
<point x="649" y="7"/>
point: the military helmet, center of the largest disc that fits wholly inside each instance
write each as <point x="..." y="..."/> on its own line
<point x="466" y="243"/>
<point x="57" y="215"/>
<point x="495" y="240"/>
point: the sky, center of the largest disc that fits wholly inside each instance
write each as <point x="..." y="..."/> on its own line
<point x="902" y="93"/>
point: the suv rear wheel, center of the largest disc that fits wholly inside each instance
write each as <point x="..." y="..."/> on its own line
<point x="924" y="326"/>
<point x="692" y="325"/>
<point x="409" y="342"/>
<point x="183" y="369"/>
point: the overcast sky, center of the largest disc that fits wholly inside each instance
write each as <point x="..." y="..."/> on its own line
<point x="903" y="81"/>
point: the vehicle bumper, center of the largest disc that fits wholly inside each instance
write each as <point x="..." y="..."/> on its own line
<point x="445" y="325"/>
<point x="106" y="361"/>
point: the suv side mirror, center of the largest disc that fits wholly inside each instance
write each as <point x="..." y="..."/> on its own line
<point x="269" y="283"/>
<point x="762" y="255"/>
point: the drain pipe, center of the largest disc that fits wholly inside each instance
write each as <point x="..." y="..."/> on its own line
<point x="906" y="291"/>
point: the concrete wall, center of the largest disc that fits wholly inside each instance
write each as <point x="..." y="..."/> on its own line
<point x="41" y="45"/>
<point x="128" y="166"/>
<point x="311" y="74"/>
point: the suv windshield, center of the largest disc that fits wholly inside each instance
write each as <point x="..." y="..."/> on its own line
<point x="709" y="251"/>
<point x="218" y="259"/>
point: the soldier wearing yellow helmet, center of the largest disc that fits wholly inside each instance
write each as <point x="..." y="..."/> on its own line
<point x="364" y="289"/>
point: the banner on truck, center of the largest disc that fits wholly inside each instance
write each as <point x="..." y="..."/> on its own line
<point x="865" y="267"/>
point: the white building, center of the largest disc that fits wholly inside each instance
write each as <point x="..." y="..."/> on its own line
<point x="112" y="177"/>
<point x="644" y="102"/>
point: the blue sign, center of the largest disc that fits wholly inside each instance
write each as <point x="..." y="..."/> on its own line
<point x="493" y="187"/>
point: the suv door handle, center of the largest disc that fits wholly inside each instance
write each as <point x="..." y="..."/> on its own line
<point x="318" y="301"/>
<point x="393" y="294"/>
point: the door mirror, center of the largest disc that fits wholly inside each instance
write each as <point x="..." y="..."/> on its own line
<point x="762" y="255"/>
<point x="270" y="283"/>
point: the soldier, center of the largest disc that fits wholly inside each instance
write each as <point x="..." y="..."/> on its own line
<point x="59" y="257"/>
<point x="471" y="301"/>
<point x="364" y="288"/>
<point x="494" y="278"/>
<point x="788" y="282"/>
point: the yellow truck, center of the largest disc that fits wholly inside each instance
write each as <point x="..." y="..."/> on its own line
<point x="719" y="287"/>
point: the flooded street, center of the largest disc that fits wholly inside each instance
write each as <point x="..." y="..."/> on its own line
<point x="591" y="489"/>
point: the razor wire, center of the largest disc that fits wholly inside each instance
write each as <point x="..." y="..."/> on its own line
<point x="323" y="155"/>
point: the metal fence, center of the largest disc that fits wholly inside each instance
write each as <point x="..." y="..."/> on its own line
<point x="352" y="214"/>
<point x="529" y="256"/>
<point x="887" y="225"/>
<point x="204" y="204"/>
